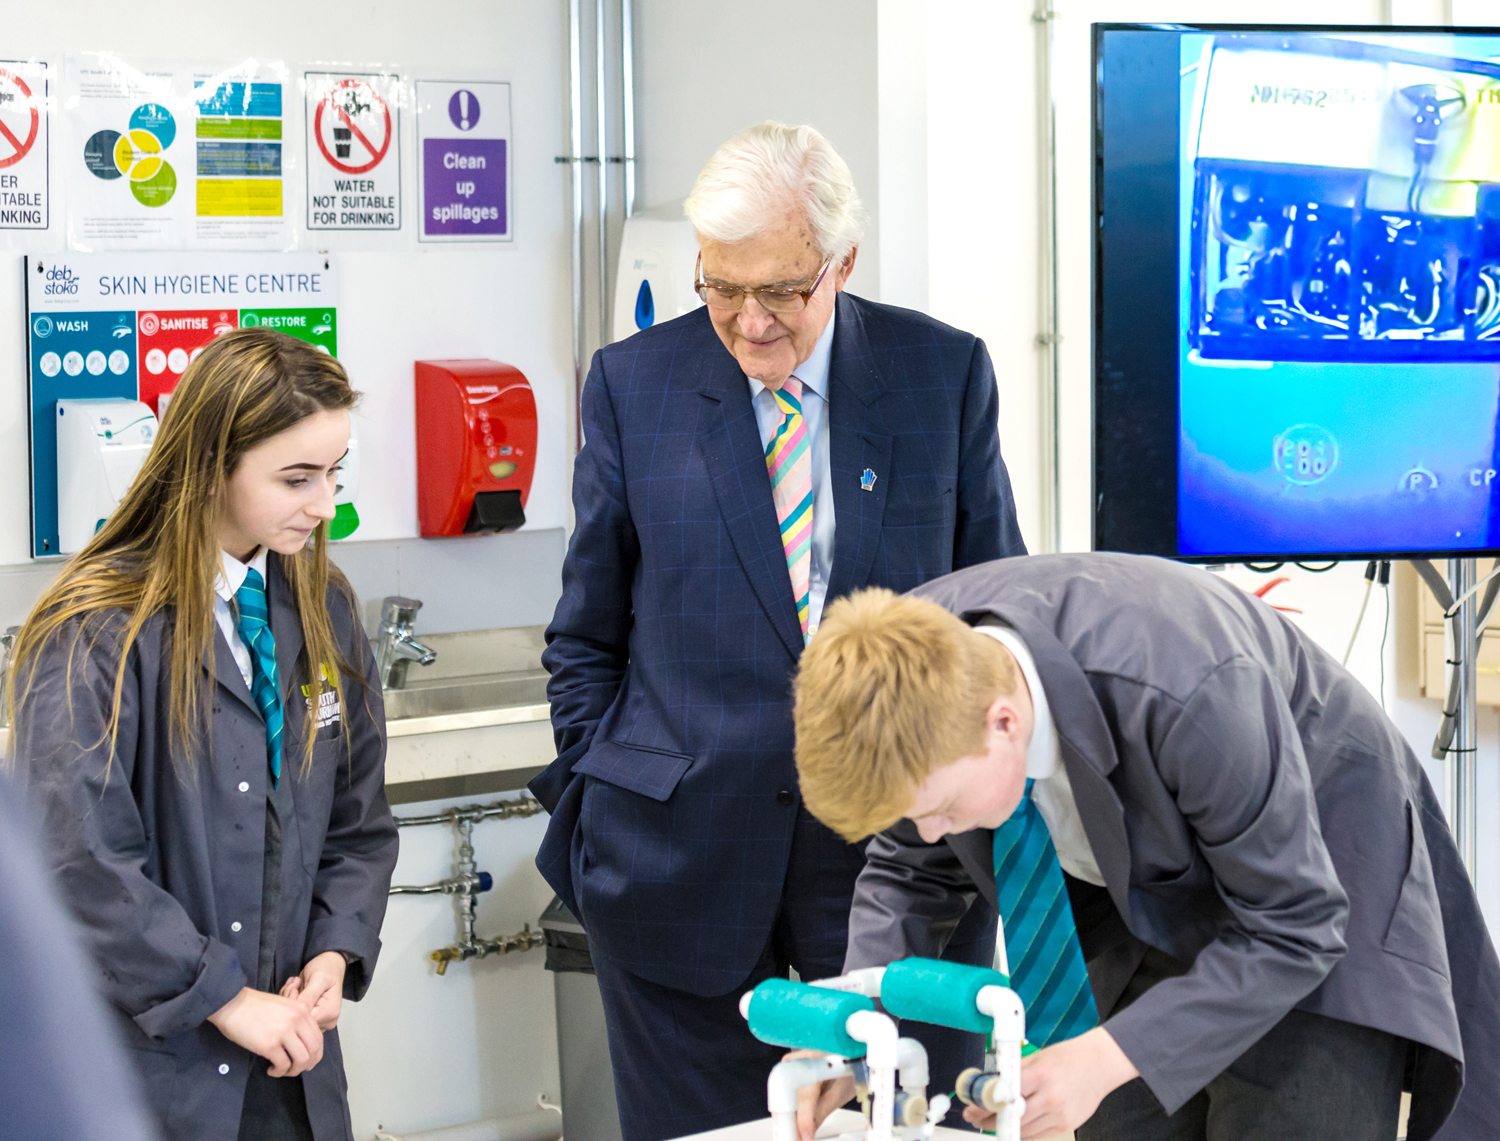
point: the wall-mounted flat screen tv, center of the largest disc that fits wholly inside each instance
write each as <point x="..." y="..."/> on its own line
<point x="1296" y="291"/>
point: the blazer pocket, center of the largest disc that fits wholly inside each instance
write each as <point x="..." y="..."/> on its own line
<point x="1415" y="932"/>
<point x="641" y="769"/>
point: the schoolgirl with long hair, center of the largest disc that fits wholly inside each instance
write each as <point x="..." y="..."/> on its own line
<point x="196" y="711"/>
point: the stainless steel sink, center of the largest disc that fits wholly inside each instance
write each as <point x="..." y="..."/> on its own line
<point x="463" y="694"/>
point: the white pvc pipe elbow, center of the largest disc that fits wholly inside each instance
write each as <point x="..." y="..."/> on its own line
<point x="911" y="1064"/>
<point x="1004" y="1006"/>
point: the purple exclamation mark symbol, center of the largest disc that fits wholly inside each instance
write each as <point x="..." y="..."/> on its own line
<point x="463" y="110"/>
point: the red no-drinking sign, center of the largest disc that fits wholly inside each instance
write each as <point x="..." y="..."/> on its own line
<point x="346" y="99"/>
<point x="13" y="149"/>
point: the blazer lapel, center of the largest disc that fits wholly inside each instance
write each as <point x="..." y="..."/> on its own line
<point x="286" y="629"/>
<point x="1088" y="751"/>
<point x="221" y="666"/>
<point x="730" y="440"/>
<point x="856" y="447"/>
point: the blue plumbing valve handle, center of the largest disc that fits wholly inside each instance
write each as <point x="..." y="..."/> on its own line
<point x="803" y="1017"/>
<point x="486" y="881"/>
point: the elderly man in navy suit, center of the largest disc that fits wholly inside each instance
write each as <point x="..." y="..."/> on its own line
<point x="781" y="446"/>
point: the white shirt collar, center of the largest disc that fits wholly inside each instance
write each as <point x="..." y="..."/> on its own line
<point x="813" y="372"/>
<point x="232" y="573"/>
<point x="1043" y="752"/>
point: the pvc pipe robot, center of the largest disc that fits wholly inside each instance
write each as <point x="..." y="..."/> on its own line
<point x="838" y="1016"/>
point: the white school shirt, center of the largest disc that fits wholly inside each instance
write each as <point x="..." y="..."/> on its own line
<point x="230" y="578"/>
<point x="1053" y="793"/>
<point x="813" y="373"/>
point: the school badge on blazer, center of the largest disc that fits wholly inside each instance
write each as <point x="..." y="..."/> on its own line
<point x="328" y="700"/>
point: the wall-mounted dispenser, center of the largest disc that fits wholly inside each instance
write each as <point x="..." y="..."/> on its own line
<point x="654" y="282"/>
<point x="101" y="444"/>
<point x="476" y="447"/>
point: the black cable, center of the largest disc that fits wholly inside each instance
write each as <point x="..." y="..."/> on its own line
<point x="1317" y="570"/>
<point x="1384" y="578"/>
<point x="1264" y="568"/>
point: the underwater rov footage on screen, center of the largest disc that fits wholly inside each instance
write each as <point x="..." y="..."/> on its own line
<point x="1340" y="292"/>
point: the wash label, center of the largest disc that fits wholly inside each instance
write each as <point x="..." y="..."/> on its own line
<point x="463" y="130"/>
<point x="353" y="151"/>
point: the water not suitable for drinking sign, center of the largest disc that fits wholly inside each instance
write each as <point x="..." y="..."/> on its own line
<point x="354" y="151"/>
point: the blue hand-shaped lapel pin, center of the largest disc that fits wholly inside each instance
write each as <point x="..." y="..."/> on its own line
<point x="867" y="481"/>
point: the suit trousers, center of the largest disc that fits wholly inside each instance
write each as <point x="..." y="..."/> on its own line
<point x="1310" y="1078"/>
<point x="686" y="1063"/>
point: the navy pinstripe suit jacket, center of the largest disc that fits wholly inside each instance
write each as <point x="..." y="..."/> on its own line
<point x="676" y="638"/>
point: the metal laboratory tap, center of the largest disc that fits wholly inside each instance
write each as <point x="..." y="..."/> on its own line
<point x="396" y="645"/>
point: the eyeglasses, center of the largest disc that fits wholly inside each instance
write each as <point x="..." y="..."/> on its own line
<point x="774" y="300"/>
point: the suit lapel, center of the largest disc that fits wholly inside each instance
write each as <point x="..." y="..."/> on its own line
<point x="856" y="446"/>
<point x="1088" y="751"/>
<point x="730" y="440"/>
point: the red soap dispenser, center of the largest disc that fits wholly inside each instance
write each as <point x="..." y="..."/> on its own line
<point x="476" y="447"/>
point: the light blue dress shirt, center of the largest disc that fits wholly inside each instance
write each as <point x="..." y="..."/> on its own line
<point x="813" y="373"/>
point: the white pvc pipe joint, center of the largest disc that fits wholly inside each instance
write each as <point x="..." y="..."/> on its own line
<point x="865" y="981"/>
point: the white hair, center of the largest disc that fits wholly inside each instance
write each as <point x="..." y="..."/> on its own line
<point x="764" y="170"/>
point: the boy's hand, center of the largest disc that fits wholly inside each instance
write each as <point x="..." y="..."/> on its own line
<point x="320" y="988"/>
<point x="1064" y="1084"/>
<point x="815" y="1103"/>
<point x="280" y="1030"/>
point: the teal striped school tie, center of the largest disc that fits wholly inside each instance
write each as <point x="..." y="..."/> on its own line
<point x="1041" y="943"/>
<point x="255" y="628"/>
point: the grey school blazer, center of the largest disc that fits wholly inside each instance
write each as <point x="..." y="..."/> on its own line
<point x="164" y="874"/>
<point x="1253" y="813"/>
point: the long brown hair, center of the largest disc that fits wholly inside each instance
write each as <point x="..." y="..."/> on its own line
<point x="159" y="550"/>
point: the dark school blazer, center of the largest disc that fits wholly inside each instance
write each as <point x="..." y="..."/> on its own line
<point x="1253" y="812"/>
<point x="163" y="872"/>
<point x="673" y="647"/>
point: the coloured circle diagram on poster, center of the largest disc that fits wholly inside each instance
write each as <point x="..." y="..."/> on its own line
<point x="352" y="126"/>
<point x="136" y="154"/>
<point x="73" y="363"/>
<point x="19" y="118"/>
<point x="95" y="363"/>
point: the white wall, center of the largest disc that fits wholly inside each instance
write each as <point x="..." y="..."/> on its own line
<point x="704" y="71"/>
<point x="973" y="116"/>
<point x="423" y="1051"/>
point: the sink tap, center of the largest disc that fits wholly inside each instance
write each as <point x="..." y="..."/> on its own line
<point x="396" y="647"/>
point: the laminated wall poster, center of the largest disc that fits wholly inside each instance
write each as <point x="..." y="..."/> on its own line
<point x="175" y="156"/>
<point x="26" y="212"/>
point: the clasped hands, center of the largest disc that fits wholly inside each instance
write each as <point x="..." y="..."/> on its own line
<point x="287" y="1029"/>
<point x="1062" y="1084"/>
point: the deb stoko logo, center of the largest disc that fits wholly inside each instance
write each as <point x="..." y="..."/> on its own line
<point x="60" y="281"/>
<point x="42" y="326"/>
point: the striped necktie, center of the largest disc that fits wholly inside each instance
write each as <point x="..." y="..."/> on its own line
<point x="1041" y="943"/>
<point x="789" y="460"/>
<point x="255" y="629"/>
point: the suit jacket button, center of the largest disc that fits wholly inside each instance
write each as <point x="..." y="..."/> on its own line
<point x="784" y="797"/>
<point x="223" y="1067"/>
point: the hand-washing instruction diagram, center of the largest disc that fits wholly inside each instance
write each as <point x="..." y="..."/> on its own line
<point x="25" y="134"/>
<point x="175" y="156"/>
<point x="464" y="138"/>
<point x="353" y="126"/>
